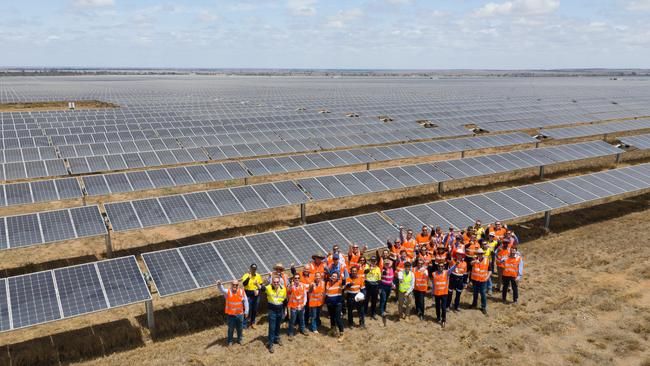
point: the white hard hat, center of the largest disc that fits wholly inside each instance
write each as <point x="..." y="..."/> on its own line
<point x="359" y="297"/>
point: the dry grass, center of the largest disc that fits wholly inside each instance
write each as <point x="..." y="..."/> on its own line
<point x="54" y="106"/>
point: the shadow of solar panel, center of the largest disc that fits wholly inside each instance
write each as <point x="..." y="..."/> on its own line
<point x="300" y="244"/>
<point x="248" y="198"/>
<point x="176" y="208"/>
<point x="355" y="233"/>
<point x="169" y="272"/>
<point x="56" y="226"/>
<point x="33" y="299"/>
<point x="271" y="196"/>
<point x="123" y="281"/>
<point x="291" y="192"/>
<point x="122" y="216"/>
<point x="326" y="235"/>
<point x="428" y="216"/>
<point x="79" y="290"/>
<point x="18" y="194"/>
<point x="238" y="255"/>
<point x="23" y="230"/>
<point x="150" y="212"/>
<point x="270" y="249"/>
<point x="225" y="201"/>
<point x="451" y="214"/>
<point x="470" y="210"/>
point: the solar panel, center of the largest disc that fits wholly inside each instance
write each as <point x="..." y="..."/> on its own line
<point x="139" y="181"/>
<point x="160" y="178"/>
<point x="451" y="214"/>
<point x="205" y="264"/>
<point x="33" y="299"/>
<point x="271" y="196"/>
<point x="250" y="200"/>
<point x="300" y="243"/>
<point x="526" y="200"/>
<point x="355" y="233"/>
<point x="270" y="249"/>
<point x="470" y="210"/>
<point x="559" y="193"/>
<point x="3" y="234"/>
<point x="169" y="272"/>
<point x="388" y="180"/>
<point x="150" y="212"/>
<point x="428" y="216"/>
<point x="180" y="176"/>
<point x="202" y="205"/>
<point x="18" y="194"/>
<point x="43" y="191"/>
<point x="235" y="170"/>
<point x="497" y="211"/>
<point x="23" y="230"/>
<point x="326" y="235"/>
<point x="122" y="216"/>
<point x="118" y="183"/>
<point x="56" y="226"/>
<point x="238" y="255"/>
<point x="315" y="189"/>
<point x="79" y="289"/>
<point x="176" y="208"/>
<point x="96" y="185"/>
<point x="225" y="201"/>
<point x="291" y="192"/>
<point x="123" y="281"/>
<point x="541" y="196"/>
<point x="402" y="217"/>
<point x="353" y="184"/>
<point x="68" y="188"/>
<point x="199" y="174"/>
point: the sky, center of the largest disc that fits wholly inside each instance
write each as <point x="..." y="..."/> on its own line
<point x="326" y="34"/>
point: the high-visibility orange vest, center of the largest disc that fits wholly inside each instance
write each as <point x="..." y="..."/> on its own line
<point x="313" y="268"/>
<point x="307" y="280"/>
<point x="297" y="295"/>
<point x="501" y="255"/>
<point x="354" y="258"/>
<point x="234" y="302"/>
<point x="471" y="249"/>
<point x="440" y="283"/>
<point x="480" y="270"/>
<point x="461" y="268"/>
<point x="317" y="295"/>
<point x="420" y="239"/>
<point x="421" y="280"/>
<point x="409" y="247"/>
<point x="498" y="234"/>
<point x="356" y="284"/>
<point x="511" y="268"/>
<point x="395" y="249"/>
<point x="441" y="257"/>
<point x="333" y="289"/>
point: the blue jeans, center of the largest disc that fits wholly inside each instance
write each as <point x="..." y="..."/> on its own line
<point x="479" y="287"/>
<point x="296" y="316"/>
<point x="314" y="316"/>
<point x="253" y="307"/>
<point x="384" y="294"/>
<point x="276" y="313"/>
<point x="235" y="322"/>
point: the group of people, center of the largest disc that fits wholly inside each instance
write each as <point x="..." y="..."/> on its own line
<point x="431" y="263"/>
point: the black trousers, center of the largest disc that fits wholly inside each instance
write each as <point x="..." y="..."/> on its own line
<point x="507" y="281"/>
<point x="455" y="285"/>
<point x="372" y="294"/>
<point x="441" y="307"/>
<point x="334" y="311"/>
<point x="419" y="302"/>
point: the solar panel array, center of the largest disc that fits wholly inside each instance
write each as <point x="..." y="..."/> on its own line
<point x="188" y="268"/>
<point x="39" y="191"/>
<point x="596" y="129"/>
<point x="67" y="292"/>
<point x="198" y="266"/>
<point x="33" y="169"/>
<point x="639" y="141"/>
<point x="131" y="215"/>
<point x="50" y="226"/>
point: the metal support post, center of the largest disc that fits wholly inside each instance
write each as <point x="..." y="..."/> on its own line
<point x="151" y="323"/>
<point x="604" y="137"/>
<point x="245" y="181"/>
<point x="537" y="144"/>
<point x="541" y="172"/>
<point x="618" y="158"/>
<point x="441" y="187"/>
<point x="462" y="154"/>
<point x="367" y="166"/>
<point x="83" y="200"/>
<point x="547" y="220"/>
<point x="303" y="213"/>
<point x="109" y="245"/>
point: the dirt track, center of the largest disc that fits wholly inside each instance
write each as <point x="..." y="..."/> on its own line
<point x="584" y="300"/>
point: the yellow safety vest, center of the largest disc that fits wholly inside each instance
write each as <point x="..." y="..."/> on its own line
<point x="253" y="282"/>
<point x="276" y="297"/>
<point x="406" y="282"/>
<point x="374" y="275"/>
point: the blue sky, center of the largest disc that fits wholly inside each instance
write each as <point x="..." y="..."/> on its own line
<point x="394" y="34"/>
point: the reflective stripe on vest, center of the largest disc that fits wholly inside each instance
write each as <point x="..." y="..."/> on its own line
<point x="276" y="297"/>
<point x="234" y="302"/>
<point x="405" y="285"/>
<point x="480" y="271"/>
<point x="356" y="284"/>
<point x="440" y="283"/>
<point x="461" y="268"/>
<point x="333" y="289"/>
<point x="421" y="280"/>
<point x="511" y="268"/>
<point x="374" y="275"/>
<point x="316" y="295"/>
<point x="297" y="296"/>
<point x="502" y="255"/>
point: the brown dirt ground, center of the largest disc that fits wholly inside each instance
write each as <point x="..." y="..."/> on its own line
<point x="54" y="106"/>
<point x="583" y="300"/>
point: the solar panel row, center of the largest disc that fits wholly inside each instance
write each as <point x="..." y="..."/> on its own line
<point x="66" y="292"/>
<point x="33" y="169"/>
<point x="596" y="129"/>
<point x="39" y="191"/>
<point x="639" y="141"/>
<point x="50" y="226"/>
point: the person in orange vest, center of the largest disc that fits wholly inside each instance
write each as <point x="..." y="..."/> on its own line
<point x="423" y="237"/>
<point x="355" y="285"/>
<point x="512" y="272"/>
<point x="479" y="276"/>
<point x="306" y="278"/>
<point x="354" y="254"/>
<point x="440" y="280"/>
<point x="334" y="301"/>
<point x="421" y="286"/>
<point x="395" y="247"/>
<point x="440" y="257"/>
<point x="316" y="299"/>
<point x="297" y="300"/>
<point x="502" y="254"/>
<point x="236" y="309"/>
<point x="498" y="229"/>
<point x="457" y="279"/>
<point x="408" y="242"/>
<point x="470" y="253"/>
<point x="317" y="264"/>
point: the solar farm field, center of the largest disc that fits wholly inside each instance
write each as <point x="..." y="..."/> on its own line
<point x="117" y="220"/>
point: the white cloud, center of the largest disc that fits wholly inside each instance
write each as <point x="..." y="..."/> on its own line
<point x="207" y="16"/>
<point x="303" y="8"/>
<point x="400" y="2"/>
<point x="638" y="5"/>
<point x="343" y="17"/>
<point x="93" y="3"/>
<point x="518" y="7"/>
